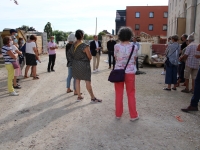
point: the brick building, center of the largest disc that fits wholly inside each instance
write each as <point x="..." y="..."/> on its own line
<point x="120" y="19"/>
<point x="149" y="19"/>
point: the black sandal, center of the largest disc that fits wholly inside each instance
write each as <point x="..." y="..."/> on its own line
<point x="167" y="89"/>
<point x="35" y="78"/>
<point x="95" y="100"/>
<point x="77" y="94"/>
<point x="70" y="91"/>
<point x="174" y="89"/>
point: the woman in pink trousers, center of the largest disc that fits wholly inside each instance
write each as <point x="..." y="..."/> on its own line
<point x="122" y="52"/>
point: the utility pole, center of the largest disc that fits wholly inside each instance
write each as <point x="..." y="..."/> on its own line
<point x="96" y="27"/>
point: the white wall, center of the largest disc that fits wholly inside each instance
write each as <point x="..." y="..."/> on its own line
<point x="178" y="10"/>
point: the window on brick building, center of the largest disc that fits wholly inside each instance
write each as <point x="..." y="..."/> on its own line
<point x="150" y="27"/>
<point x="137" y="27"/>
<point x="165" y="14"/>
<point x="151" y="14"/>
<point x="164" y="27"/>
<point x="137" y="15"/>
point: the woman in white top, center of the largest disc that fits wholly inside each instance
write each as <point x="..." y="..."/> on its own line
<point x="31" y="57"/>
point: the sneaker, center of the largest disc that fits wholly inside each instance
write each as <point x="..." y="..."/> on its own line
<point x="53" y="70"/>
<point x="97" y="70"/>
<point x="17" y="87"/>
<point x="163" y="73"/>
<point x="14" y="94"/>
<point x="133" y="119"/>
<point x="94" y="71"/>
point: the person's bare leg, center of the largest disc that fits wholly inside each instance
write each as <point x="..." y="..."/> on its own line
<point x="187" y="84"/>
<point x="34" y="71"/>
<point x="15" y="81"/>
<point x="31" y="71"/>
<point x="78" y="88"/>
<point x="89" y="88"/>
<point x="169" y="86"/>
<point x="26" y="71"/>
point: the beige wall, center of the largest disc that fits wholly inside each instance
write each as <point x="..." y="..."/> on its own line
<point x="184" y="9"/>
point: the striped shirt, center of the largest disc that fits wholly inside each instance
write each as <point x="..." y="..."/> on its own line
<point x="7" y="58"/>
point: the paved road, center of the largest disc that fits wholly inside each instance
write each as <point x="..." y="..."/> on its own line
<point x="45" y="117"/>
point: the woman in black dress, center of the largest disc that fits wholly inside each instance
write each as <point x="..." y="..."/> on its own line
<point x="81" y="70"/>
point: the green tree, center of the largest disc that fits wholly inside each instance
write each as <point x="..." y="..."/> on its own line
<point x="48" y="30"/>
<point x="26" y="28"/>
<point x="60" y="35"/>
<point x="100" y="35"/>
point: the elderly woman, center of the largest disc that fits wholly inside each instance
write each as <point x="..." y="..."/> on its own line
<point x="71" y="39"/>
<point x="9" y="57"/>
<point x="81" y="69"/>
<point x="173" y="51"/>
<point x="122" y="52"/>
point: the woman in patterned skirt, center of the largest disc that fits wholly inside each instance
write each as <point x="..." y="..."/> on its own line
<point x="81" y="70"/>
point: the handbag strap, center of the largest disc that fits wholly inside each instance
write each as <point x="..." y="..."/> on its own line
<point x="130" y="56"/>
<point x="173" y="51"/>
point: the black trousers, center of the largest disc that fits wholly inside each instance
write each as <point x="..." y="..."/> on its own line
<point x="111" y="54"/>
<point x="196" y="96"/>
<point x="51" y="63"/>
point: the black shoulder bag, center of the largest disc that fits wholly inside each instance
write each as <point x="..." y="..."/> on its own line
<point x="119" y="74"/>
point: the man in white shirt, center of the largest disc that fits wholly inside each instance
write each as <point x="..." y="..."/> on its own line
<point x="95" y="48"/>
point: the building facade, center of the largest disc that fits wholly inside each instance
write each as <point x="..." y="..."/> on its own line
<point x="149" y="19"/>
<point x="120" y="20"/>
<point x="184" y="17"/>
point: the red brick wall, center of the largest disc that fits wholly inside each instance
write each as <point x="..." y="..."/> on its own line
<point x="159" y="48"/>
<point x="158" y="21"/>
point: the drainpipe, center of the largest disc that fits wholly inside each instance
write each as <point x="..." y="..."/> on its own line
<point x="195" y="14"/>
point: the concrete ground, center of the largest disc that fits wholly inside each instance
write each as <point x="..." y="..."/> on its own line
<point x="45" y="117"/>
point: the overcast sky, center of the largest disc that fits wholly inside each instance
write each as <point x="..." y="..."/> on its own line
<point x="66" y="15"/>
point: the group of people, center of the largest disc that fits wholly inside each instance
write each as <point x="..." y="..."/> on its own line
<point x="183" y="60"/>
<point x="15" y="53"/>
<point x="79" y="55"/>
